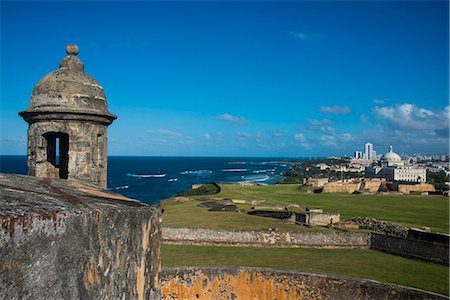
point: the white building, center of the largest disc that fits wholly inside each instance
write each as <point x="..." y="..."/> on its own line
<point x="357" y="154"/>
<point x="393" y="168"/>
<point x="369" y="153"/>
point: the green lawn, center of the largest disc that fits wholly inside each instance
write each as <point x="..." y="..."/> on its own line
<point x="358" y="263"/>
<point x="408" y="210"/>
<point x="187" y="214"/>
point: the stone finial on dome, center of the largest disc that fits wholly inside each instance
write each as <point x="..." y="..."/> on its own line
<point x="72" y="49"/>
<point x="72" y="62"/>
<point x="391" y="149"/>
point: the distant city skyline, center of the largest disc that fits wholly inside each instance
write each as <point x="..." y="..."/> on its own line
<point x="280" y="79"/>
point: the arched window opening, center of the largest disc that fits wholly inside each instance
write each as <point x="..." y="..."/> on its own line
<point x="58" y="152"/>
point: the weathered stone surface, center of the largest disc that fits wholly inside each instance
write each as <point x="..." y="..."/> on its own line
<point x="381" y="226"/>
<point x="317" y="218"/>
<point x="63" y="240"/>
<point x="421" y="187"/>
<point x="348" y="187"/>
<point x="265" y="238"/>
<point x="428" y="251"/>
<point x="260" y="283"/>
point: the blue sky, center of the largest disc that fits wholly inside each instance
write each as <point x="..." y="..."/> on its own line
<point x="242" y="78"/>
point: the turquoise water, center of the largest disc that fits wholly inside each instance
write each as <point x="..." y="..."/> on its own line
<point x="150" y="179"/>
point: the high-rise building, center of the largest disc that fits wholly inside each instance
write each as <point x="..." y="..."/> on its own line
<point x="358" y="154"/>
<point x="368" y="151"/>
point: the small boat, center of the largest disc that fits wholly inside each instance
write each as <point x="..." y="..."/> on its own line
<point x="173" y="180"/>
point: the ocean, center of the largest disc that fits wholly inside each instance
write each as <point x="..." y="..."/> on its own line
<point x="151" y="179"/>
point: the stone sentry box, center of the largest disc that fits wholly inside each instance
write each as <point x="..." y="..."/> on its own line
<point x="68" y="118"/>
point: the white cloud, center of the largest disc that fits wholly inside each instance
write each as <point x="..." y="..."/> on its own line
<point x="233" y="119"/>
<point x="243" y="136"/>
<point x="347" y="137"/>
<point x="259" y="137"/>
<point x="300" y="137"/>
<point x="307" y="37"/>
<point x="363" y="118"/>
<point x="335" y="110"/>
<point x="302" y="140"/>
<point x="278" y="133"/>
<point x="337" y="140"/>
<point x="323" y="122"/>
<point x="328" y="140"/>
<point x="380" y="101"/>
<point x="165" y="132"/>
<point x="207" y="137"/>
<point x="411" y="117"/>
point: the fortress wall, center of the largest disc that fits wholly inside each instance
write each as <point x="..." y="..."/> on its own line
<point x="200" y="236"/>
<point x="428" y="251"/>
<point x="336" y="187"/>
<point x="422" y="187"/>
<point x="413" y="248"/>
<point x="260" y="283"/>
<point x="62" y="240"/>
<point x="372" y="186"/>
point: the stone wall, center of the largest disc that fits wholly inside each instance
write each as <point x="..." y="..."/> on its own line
<point x="63" y="240"/>
<point x="199" y="236"/>
<point x="260" y="283"/>
<point x="422" y="187"/>
<point x="372" y="185"/>
<point x="419" y="234"/>
<point x="381" y="226"/>
<point x="323" y="219"/>
<point x="347" y="187"/>
<point x="337" y="187"/>
<point x="434" y="252"/>
<point x="87" y="161"/>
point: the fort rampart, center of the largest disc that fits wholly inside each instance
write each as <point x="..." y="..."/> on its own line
<point x="63" y="240"/>
<point x="266" y="238"/>
<point x="407" y="247"/>
<point x="260" y="283"/>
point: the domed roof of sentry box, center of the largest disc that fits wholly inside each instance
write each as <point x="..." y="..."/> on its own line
<point x="69" y="90"/>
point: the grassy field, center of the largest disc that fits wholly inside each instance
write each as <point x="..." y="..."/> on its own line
<point x="187" y="214"/>
<point x="408" y="210"/>
<point x="358" y="263"/>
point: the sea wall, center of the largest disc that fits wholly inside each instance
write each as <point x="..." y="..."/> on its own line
<point x="260" y="283"/>
<point x="63" y="240"/>
<point x="266" y="238"/>
<point x="428" y="251"/>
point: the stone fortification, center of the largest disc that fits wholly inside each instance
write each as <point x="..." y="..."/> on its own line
<point x="422" y="187"/>
<point x="260" y="283"/>
<point x="407" y="247"/>
<point x="381" y="226"/>
<point x="349" y="187"/>
<point x="266" y="238"/>
<point x="68" y="118"/>
<point x="62" y="240"/>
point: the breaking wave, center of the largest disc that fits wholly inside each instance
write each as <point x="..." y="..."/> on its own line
<point x="234" y="170"/>
<point x="120" y="187"/>
<point x="147" y="175"/>
<point x="196" y="172"/>
<point x="263" y="171"/>
<point x="256" y="178"/>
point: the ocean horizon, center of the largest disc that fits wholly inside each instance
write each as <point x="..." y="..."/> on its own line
<point x="151" y="179"/>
